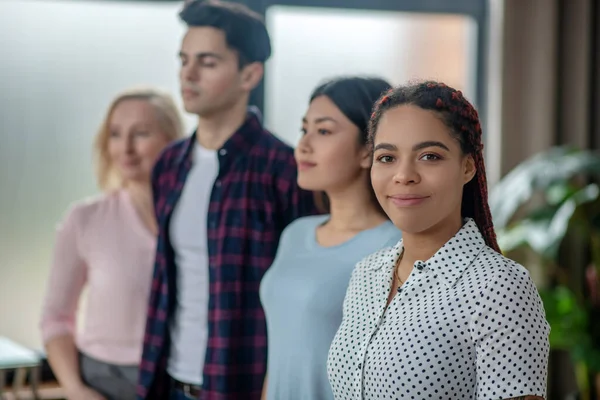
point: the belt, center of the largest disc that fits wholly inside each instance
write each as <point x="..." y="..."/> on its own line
<point x="191" y="391"/>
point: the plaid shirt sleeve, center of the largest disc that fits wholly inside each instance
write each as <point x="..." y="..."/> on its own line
<point x="152" y="379"/>
<point x="158" y="167"/>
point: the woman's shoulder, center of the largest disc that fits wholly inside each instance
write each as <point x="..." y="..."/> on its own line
<point x="500" y="273"/>
<point x="490" y="258"/>
<point x="85" y="210"/>
<point x="506" y="288"/>
<point x="304" y="225"/>
<point x="299" y="230"/>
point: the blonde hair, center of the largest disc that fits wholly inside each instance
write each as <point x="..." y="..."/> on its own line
<point x="168" y="117"/>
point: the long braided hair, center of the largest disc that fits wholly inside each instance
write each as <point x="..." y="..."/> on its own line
<point x="463" y="121"/>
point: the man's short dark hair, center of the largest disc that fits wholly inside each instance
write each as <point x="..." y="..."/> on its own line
<point x="245" y="30"/>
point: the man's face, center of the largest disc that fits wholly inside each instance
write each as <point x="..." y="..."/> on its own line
<point x="210" y="77"/>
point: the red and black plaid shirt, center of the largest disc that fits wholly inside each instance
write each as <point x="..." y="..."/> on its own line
<point x="254" y="197"/>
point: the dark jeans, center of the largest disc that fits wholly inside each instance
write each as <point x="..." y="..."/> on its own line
<point x="115" y="382"/>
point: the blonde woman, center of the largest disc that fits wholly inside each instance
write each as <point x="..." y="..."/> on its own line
<point x="107" y="245"/>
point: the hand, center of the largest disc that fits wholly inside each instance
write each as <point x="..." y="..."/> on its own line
<point x="83" y="393"/>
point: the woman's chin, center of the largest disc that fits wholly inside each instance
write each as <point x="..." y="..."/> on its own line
<point x="409" y="222"/>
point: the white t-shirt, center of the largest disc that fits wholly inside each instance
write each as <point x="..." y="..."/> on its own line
<point x="467" y="324"/>
<point x="187" y="232"/>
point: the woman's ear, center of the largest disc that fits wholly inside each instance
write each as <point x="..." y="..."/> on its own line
<point x="469" y="168"/>
<point x="366" y="157"/>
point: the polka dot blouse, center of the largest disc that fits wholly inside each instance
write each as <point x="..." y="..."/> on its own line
<point x="467" y="324"/>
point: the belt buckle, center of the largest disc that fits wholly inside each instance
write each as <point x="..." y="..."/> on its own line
<point x="187" y="390"/>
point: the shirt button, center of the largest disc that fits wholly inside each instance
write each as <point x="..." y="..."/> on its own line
<point x="223" y="152"/>
<point x="359" y="366"/>
<point x="420" y="266"/>
<point x="218" y="183"/>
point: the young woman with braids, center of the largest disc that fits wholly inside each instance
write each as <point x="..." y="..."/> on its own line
<point x="442" y="315"/>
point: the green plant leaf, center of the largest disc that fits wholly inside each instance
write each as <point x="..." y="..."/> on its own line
<point x="559" y="192"/>
<point x="538" y="173"/>
<point x="568" y="321"/>
<point x="512" y="238"/>
<point x="545" y="228"/>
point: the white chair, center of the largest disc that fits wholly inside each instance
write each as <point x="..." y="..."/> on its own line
<point x="22" y="360"/>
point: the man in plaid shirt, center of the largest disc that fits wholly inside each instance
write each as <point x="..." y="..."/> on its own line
<point x="222" y="198"/>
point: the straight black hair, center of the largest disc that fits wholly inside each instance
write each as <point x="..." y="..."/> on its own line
<point x="355" y="97"/>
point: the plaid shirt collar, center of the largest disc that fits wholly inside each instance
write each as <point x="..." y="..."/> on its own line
<point x="239" y="142"/>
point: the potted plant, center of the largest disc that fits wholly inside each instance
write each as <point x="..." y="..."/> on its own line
<point x="547" y="216"/>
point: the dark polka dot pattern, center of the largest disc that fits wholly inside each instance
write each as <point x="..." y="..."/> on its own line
<point x="467" y="324"/>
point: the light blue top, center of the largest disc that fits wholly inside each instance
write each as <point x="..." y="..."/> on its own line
<point x="302" y="294"/>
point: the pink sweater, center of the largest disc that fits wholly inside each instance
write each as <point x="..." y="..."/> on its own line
<point x="102" y="244"/>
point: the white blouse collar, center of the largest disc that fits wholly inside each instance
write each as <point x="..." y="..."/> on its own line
<point x="450" y="260"/>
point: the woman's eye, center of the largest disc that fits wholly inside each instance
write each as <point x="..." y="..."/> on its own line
<point x="385" y="159"/>
<point x="430" y="157"/>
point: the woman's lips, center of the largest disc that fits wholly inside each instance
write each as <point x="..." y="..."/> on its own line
<point x="408" y="200"/>
<point x="303" y="165"/>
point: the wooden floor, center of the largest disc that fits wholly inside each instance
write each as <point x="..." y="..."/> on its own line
<point x="47" y="391"/>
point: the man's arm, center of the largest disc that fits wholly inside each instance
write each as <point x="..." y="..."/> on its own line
<point x="155" y="174"/>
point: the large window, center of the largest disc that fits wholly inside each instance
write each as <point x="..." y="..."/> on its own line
<point x="312" y="44"/>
